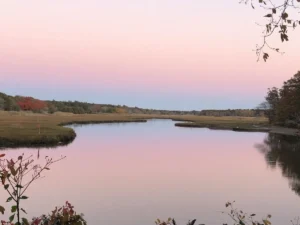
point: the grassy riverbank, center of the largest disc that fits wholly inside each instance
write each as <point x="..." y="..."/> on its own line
<point x="241" y="124"/>
<point x="226" y="123"/>
<point x="33" y="130"/>
<point x="20" y="129"/>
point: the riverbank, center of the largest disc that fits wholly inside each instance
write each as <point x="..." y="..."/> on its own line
<point x="21" y="129"/>
<point x="228" y="123"/>
<point x="245" y="127"/>
<point x="242" y="127"/>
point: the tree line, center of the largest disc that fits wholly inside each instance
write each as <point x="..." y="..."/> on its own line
<point x="234" y="112"/>
<point x="283" y="104"/>
<point x="21" y="103"/>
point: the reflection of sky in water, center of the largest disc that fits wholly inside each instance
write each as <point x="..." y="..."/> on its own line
<point x="131" y="174"/>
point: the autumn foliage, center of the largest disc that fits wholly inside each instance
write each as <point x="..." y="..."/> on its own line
<point x="63" y="215"/>
<point x="31" y="104"/>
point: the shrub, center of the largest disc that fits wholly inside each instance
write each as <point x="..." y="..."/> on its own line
<point x="13" y="174"/>
<point x="63" y="215"/>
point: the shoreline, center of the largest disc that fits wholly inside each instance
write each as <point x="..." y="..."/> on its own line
<point x="45" y="141"/>
<point x="264" y="129"/>
<point x="48" y="130"/>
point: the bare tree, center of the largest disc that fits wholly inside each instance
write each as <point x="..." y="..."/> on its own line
<point x="264" y="106"/>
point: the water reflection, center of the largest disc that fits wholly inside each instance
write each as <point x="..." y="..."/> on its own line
<point x="132" y="174"/>
<point x="283" y="151"/>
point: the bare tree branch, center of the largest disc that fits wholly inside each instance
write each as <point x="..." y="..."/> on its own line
<point x="278" y="19"/>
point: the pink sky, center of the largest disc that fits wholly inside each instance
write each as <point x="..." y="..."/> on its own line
<point x="113" y="48"/>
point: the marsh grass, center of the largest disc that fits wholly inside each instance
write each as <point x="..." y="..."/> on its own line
<point x="227" y="123"/>
<point x="25" y="129"/>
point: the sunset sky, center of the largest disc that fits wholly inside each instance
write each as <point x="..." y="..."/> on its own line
<point x="164" y="54"/>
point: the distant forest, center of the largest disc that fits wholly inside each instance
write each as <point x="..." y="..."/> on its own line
<point x="22" y="103"/>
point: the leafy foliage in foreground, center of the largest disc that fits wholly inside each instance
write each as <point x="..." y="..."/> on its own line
<point x="13" y="174"/>
<point x="63" y="215"/>
<point x="16" y="176"/>
<point x="238" y="217"/>
<point x="241" y="218"/>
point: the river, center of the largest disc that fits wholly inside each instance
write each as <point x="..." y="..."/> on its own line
<point x="134" y="173"/>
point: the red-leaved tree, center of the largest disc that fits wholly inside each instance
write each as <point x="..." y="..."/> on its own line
<point x="31" y="104"/>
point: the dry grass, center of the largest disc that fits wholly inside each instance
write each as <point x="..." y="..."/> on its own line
<point x="26" y="129"/>
<point x="214" y="120"/>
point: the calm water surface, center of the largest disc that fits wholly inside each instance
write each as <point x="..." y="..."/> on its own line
<point x="131" y="174"/>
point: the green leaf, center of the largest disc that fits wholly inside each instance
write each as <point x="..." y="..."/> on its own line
<point x="25" y="221"/>
<point x="11" y="218"/>
<point x="274" y="10"/>
<point x="6" y="186"/>
<point x="2" y="209"/>
<point x="9" y="199"/>
<point x="13" y="208"/>
<point x="19" y="186"/>
<point x="24" y="197"/>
